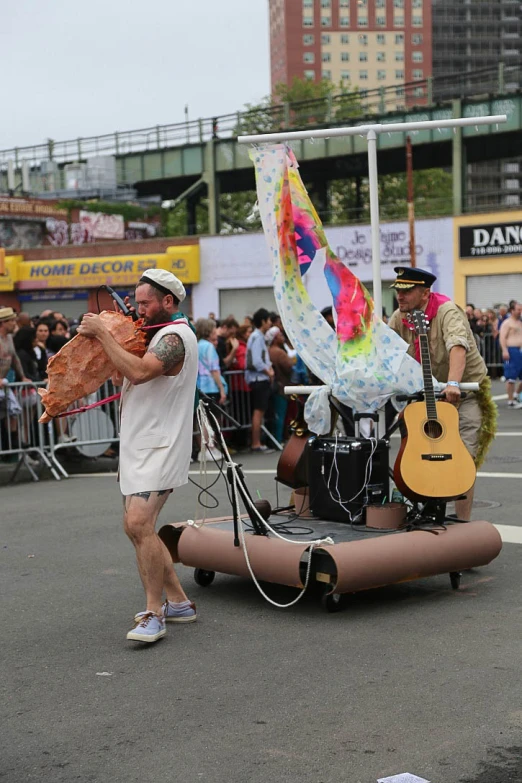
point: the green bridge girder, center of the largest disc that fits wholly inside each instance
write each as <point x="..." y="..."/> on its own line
<point x="226" y="167"/>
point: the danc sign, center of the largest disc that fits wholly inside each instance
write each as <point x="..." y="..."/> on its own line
<point x="491" y="239"/>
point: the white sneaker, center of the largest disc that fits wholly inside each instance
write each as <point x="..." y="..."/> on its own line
<point x="67" y="438"/>
<point x="209" y="455"/>
<point x="511" y="404"/>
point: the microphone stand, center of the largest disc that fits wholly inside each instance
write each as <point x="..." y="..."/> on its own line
<point x="239" y="485"/>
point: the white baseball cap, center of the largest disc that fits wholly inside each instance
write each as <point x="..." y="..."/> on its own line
<point x="165" y="282"/>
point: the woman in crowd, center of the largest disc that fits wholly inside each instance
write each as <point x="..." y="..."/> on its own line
<point x="210" y="381"/>
<point x="283" y="365"/>
<point x="239" y="388"/>
<point x="25" y="341"/>
<point x="42" y="335"/>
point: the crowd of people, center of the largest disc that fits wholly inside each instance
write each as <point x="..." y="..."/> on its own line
<point x="26" y="344"/>
<point x="244" y="367"/>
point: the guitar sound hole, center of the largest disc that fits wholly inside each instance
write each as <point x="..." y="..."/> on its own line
<point x="432" y="429"/>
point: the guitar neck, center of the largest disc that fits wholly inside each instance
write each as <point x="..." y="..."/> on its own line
<point x="429" y="392"/>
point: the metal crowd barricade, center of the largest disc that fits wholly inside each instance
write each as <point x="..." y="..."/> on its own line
<point x="90" y="433"/>
<point x="22" y="438"/>
<point x="239" y="409"/>
<point x="23" y="441"/>
<point x="490" y="351"/>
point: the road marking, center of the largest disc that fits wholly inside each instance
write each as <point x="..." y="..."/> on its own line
<point x="269" y="471"/>
<point x="510" y="534"/>
<point x="499" y="475"/>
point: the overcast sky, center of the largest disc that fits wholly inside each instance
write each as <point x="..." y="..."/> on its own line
<point x="74" y="69"/>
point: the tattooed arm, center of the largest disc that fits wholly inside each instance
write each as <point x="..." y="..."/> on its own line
<point x="161" y="360"/>
<point x="170" y="351"/>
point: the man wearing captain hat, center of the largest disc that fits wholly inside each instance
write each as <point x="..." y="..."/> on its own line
<point x="156" y="411"/>
<point x="454" y="358"/>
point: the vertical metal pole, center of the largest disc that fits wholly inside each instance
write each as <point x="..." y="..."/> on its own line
<point x="374" y="218"/>
<point x="409" y="198"/>
<point x="501" y="80"/>
<point x="212" y="188"/>
<point x="458" y="169"/>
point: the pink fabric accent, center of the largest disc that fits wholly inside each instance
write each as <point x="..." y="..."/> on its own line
<point x="432" y="308"/>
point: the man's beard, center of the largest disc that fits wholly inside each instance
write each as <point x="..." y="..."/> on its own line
<point x="161" y="317"/>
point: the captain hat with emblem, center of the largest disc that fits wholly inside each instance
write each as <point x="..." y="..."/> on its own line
<point x="165" y="282"/>
<point x="408" y="277"/>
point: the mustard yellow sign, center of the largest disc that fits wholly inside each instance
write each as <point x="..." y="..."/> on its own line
<point x="119" y="271"/>
<point x="8" y="280"/>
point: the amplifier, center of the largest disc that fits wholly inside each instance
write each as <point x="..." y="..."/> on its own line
<point x="337" y="470"/>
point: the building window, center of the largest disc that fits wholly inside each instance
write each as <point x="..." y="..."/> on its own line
<point x="327" y="75"/>
<point x="417" y="57"/>
<point x="345" y="39"/>
<point x="416" y="21"/>
<point x="512" y="184"/>
<point x="399" y="39"/>
<point x="326" y="21"/>
<point x="345" y="75"/>
<point x="511" y="168"/>
<point x="416" y="3"/>
<point x="381" y="39"/>
<point x="325" y="39"/>
<point x="344" y="21"/>
<point x="308" y="57"/>
<point x="308" y="40"/>
<point x="363" y="75"/>
<point x="326" y="3"/>
<point x="399" y="92"/>
<point x="399" y="57"/>
<point x="345" y="57"/>
<point x="381" y="76"/>
<point x="416" y="39"/>
<point x="344" y="3"/>
<point x="398" y="3"/>
<point x="398" y="21"/>
<point x="326" y="57"/>
<point x="363" y="57"/>
<point x="417" y="73"/>
<point x="381" y="57"/>
<point x="308" y="21"/>
<point x="380" y="21"/>
<point x="362" y="21"/>
<point x="309" y="75"/>
<point x="399" y="74"/>
<point x="418" y="92"/>
<point x="363" y="39"/>
<point x="308" y="3"/>
<point x="380" y="3"/>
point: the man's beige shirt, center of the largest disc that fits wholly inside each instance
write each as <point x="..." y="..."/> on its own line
<point x="449" y="328"/>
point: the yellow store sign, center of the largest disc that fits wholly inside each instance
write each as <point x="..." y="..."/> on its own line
<point x="7" y="281"/>
<point x="116" y="271"/>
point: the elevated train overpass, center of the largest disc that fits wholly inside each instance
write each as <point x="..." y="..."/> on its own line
<point x="191" y="159"/>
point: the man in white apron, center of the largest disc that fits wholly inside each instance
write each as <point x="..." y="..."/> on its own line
<point x="156" y="409"/>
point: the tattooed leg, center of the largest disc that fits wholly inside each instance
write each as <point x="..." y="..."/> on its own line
<point x="154" y="561"/>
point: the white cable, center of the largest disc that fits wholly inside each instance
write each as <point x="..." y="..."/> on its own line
<point x="203" y="419"/>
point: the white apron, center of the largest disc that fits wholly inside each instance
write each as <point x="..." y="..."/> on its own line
<point x="156" y="423"/>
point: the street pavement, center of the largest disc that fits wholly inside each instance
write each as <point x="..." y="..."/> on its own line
<point x="409" y="678"/>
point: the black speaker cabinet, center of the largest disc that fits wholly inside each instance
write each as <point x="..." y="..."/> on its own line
<point x="337" y="471"/>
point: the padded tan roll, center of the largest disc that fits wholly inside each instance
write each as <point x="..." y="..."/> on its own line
<point x="212" y="549"/>
<point x="399" y="557"/>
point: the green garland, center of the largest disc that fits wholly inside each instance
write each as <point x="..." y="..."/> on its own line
<point x="489" y="421"/>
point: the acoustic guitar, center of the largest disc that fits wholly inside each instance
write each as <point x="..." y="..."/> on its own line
<point x="292" y="467"/>
<point x="433" y="461"/>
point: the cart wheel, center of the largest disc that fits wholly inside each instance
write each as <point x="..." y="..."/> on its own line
<point x="455" y="579"/>
<point x="331" y="602"/>
<point x="203" y="578"/>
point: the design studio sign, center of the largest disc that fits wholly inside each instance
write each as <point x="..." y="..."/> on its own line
<point x="495" y="239"/>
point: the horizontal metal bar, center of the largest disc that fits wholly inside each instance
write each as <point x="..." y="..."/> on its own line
<point x="359" y="130"/>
